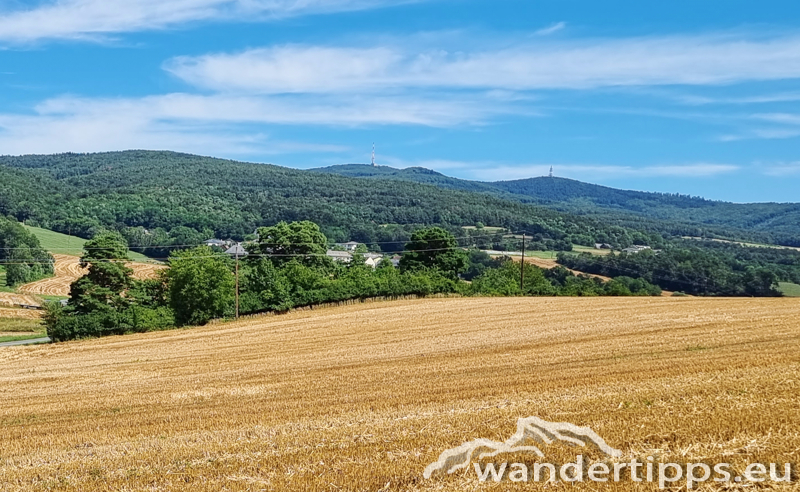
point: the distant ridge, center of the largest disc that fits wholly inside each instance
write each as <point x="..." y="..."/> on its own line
<point x="170" y="196"/>
<point x="781" y="220"/>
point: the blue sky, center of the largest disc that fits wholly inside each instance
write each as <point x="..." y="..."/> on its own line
<point x="690" y="97"/>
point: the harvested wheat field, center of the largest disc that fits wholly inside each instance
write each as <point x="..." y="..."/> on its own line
<point x="365" y="397"/>
<point x="144" y="271"/>
<point x="10" y="299"/>
<point x="68" y="269"/>
<point x="19" y="313"/>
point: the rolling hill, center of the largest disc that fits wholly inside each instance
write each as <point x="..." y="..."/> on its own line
<point x="158" y="198"/>
<point x="777" y="223"/>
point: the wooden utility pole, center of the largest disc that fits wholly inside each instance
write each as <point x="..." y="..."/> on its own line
<point x="522" y="265"/>
<point x="237" y="283"/>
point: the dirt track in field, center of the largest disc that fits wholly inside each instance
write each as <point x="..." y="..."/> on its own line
<point x="364" y="397"/>
<point x="548" y="264"/>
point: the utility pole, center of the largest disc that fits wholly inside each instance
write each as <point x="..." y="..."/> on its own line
<point x="522" y="265"/>
<point x="237" y="283"/>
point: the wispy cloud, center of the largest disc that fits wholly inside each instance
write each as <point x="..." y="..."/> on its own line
<point x="779" y="169"/>
<point x="783" y="125"/>
<point x="581" y="64"/>
<point x="558" y="26"/>
<point x="441" y="111"/>
<point x="216" y="124"/>
<point x="757" y="99"/>
<point x="95" y="19"/>
<point x="785" y="118"/>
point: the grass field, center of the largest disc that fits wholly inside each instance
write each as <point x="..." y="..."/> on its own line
<point x="20" y="329"/>
<point x="365" y="397"/>
<point x="58" y="243"/>
<point x="551" y="255"/>
<point x="789" y="290"/>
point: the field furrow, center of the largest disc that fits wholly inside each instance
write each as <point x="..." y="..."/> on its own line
<point x="68" y="269"/>
<point x="364" y="397"/>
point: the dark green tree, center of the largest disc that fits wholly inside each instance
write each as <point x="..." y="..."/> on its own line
<point x="201" y="286"/>
<point x="102" y="287"/>
<point x="434" y="247"/>
<point x="301" y="241"/>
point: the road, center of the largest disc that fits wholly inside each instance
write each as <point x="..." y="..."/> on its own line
<point x="25" y="342"/>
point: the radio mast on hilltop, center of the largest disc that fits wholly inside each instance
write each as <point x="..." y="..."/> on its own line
<point x="551" y="171"/>
<point x="373" y="154"/>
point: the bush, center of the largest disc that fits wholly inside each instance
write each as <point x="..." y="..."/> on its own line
<point x="63" y="325"/>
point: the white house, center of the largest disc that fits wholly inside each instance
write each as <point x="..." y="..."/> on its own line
<point x="340" y="256"/>
<point x="349" y="246"/>
<point x="636" y="248"/>
<point x="372" y="259"/>
<point x="219" y="243"/>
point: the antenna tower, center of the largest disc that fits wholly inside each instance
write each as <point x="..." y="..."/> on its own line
<point x="551" y="171"/>
<point x="373" y="154"/>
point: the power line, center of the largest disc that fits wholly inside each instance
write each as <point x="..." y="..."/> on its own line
<point x="173" y="246"/>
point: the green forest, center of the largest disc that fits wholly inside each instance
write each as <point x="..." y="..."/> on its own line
<point x="718" y="269"/>
<point x="159" y="199"/>
<point x="666" y="213"/>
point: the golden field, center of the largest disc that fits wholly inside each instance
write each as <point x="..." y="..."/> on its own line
<point x="364" y="397"/>
<point x="68" y="269"/>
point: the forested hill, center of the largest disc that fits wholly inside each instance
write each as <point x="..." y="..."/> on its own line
<point x="163" y="198"/>
<point x="769" y="222"/>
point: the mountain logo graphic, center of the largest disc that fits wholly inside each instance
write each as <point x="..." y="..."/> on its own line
<point x="530" y="432"/>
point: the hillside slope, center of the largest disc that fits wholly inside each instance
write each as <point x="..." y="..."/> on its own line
<point x="179" y="198"/>
<point x="771" y="222"/>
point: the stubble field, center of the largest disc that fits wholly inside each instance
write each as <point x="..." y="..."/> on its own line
<point x="68" y="269"/>
<point x="365" y="397"/>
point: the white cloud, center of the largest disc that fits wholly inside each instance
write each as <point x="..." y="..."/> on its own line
<point x="85" y="133"/>
<point x="785" y="125"/>
<point x="784" y="118"/>
<point x="558" y="26"/>
<point x="584" y="64"/>
<point x="87" y="19"/>
<point x="759" y="99"/>
<point x="440" y="111"/>
<point x="214" y="124"/>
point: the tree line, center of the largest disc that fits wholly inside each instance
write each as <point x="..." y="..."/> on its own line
<point x="21" y="255"/>
<point x="718" y="269"/>
<point x="286" y="268"/>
